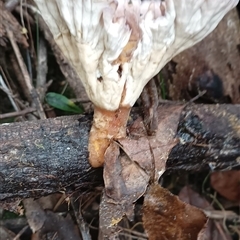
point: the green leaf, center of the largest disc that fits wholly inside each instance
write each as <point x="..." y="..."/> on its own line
<point x="61" y="102"/>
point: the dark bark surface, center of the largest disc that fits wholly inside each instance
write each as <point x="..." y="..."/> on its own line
<point x="42" y="157"/>
<point x="209" y="138"/>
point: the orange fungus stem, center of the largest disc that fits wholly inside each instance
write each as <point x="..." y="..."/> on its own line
<point x="107" y="125"/>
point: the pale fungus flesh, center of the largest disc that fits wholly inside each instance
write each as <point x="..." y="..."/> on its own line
<point x="116" y="47"/>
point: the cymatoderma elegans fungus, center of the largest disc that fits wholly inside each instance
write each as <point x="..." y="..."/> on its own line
<point x="117" y="46"/>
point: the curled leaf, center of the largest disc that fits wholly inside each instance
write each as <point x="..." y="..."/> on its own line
<point x="165" y="216"/>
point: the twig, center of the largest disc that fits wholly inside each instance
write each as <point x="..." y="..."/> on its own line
<point x="9" y="94"/>
<point x="200" y="94"/>
<point x="224" y="234"/>
<point x="132" y="232"/>
<point x="18" y="113"/>
<point x="20" y="233"/>
<point x="42" y="67"/>
<point x="21" y="16"/>
<point x="11" y="4"/>
<point x="83" y="227"/>
<point x="19" y="77"/>
<point x="220" y="214"/>
<point x="33" y="92"/>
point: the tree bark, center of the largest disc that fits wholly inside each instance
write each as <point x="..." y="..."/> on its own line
<point x="46" y="156"/>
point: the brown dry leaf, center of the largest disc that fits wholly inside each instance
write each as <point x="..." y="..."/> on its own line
<point x="154" y="149"/>
<point x="34" y="214"/>
<point x="191" y="197"/>
<point x="11" y="205"/>
<point x="227" y="184"/>
<point x="42" y="222"/>
<point x="138" y="150"/>
<point x="110" y="214"/>
<point x="217" y="52"/>
<point x="214" y="230"/>
<point x="49" y="202"/>
<point x="6" y="234"/>
<point x="125" y="181"/>
<point x="165" y="140"/>
<point x="127" y="172"/>
<point x="166" y="217"/>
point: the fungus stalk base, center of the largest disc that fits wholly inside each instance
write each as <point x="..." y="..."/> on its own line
<point x="107" y="125"/>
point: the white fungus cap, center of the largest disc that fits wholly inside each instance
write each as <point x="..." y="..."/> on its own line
<point x="116" y="47"/>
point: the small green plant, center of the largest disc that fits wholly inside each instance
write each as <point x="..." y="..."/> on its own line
<point x="61" y="102"/>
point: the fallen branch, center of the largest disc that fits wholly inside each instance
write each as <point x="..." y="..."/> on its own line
<point x="46" y="156"/>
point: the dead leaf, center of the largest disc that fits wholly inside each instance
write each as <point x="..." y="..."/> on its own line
<point x="125" y="181"/>
<point x="166" y="217"/>
<point x="191" y="197"/>
<point x="213" y="230"/>
<point x="43" y="221"/>
<point x="165" y="138"/>
<point x="6" y="234"/>
<point x="138" y="150"/>
<point x="127" y="172"/>
<point x="110" y="214"/>
<point x="227" y="184"/>
<point x="154" y="149"/>
<point x="12" y="205"/>
<point x="34" y="214"/>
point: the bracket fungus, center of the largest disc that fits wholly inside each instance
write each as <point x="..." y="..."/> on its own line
<point x="117" y="46"/>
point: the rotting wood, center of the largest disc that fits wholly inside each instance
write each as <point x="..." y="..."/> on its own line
<point x="46" y="156"/>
